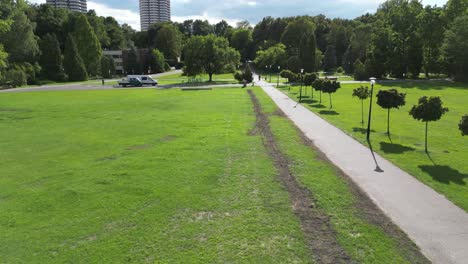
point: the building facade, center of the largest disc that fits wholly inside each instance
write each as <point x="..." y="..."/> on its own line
<point x="73" y="5"/>
<point x="152" y="11"/>
<point x="117" y="56"/>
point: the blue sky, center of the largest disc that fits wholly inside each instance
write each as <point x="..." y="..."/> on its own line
<point x="126" y="11"/>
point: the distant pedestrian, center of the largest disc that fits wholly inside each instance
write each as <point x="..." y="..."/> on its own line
<point x="259" y="77"/>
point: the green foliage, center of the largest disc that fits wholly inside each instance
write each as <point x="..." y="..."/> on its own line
<point x="20" y="42"/>
<point x="307" y="52"/>
<point x="131" y="65"/>
<point x="391" y="98"/>
<point x="309" y="79"/>
<point x="360" y="73"/>
<point x="294" y="64"/>
<point x="88" y="45"/>
<point x="463" y="125"/>
<point x="361" y="92"/>
<point x="275" y="55"/>
<point x="428" y="109"/>
<point x="241" y="40"/>
<point x="15" y="78"/>
<point x="51" y="58"/>
<point x="99" y="28"/>
<point x="330" y="87"/>
<point x="245" y="75"/>
<point x="291" y="76"/>
<point x="293" y="33"/>
<point x="159" y="61"/>
<point x="209" y="54"/>
<point x="329" y="59"/>
<point x="72" y="62"/>
<point x="202" y="28"/>
<point x="455" y="48"/>
<point x="107" y="66"/>
<point x="169" y="41"/>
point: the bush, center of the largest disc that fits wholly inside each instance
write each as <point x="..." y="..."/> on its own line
<point x="309" y="78"/>
<point x="245" y="75"/>
<point x="291" y="76"/>
<point x="463" y="126"/>
<point x="15" y="78"/>
<point x="167" y="67"/>
<point x="179" y="65"/>
<point x="340" y="70"/>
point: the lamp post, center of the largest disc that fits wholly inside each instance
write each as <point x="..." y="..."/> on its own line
<point x="266" y="72"/>
<point x="270" y="74"/>
<point x="372" y="80"/>
<point x="279" y="68"/>
<point x="300" y="91"/>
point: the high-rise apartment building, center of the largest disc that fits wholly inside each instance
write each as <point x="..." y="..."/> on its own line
<point x="152" y="11"/>
<point x="73" y="5"/>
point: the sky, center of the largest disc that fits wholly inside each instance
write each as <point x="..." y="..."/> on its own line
<point x="233" y="11"/>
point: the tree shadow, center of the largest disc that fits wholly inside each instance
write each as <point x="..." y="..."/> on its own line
<point x="377" y="167"/>
<point x="318" y="106"/>
<point x="361" y="130"/>
<point x="309" y="101"/>
<point x="328" y="112"/>
<point x="444" y="174"/>
<point x="394" y="148"/>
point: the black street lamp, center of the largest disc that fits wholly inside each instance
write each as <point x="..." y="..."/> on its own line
<point x="279" y="68"/>
<point x="370" y="107"/>
<point x="300" y="91"/>
<point x="270" y="73"/>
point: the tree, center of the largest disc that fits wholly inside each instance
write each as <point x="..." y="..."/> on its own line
<point x="201" y="28"/>
<point x="309" y="79"/>
<point x="209" y="54"/>
<point x="432" y="33"/>
<point x="51" y="58"/>
<point x="318" y="86"/>
<point x="463" y="126"/>
<point x="159" y="61"/>
<point x="291" y="76"/>
<point x="115" y="33"/>
<point x="99" y="28"/>
<point x="362" y="93"/>
<point x="275" y="56"/>
<point x="455" y="48"/>
<point x="131" y="63"/>
<point x="329" y="61"/>
<point x="107" y="66"/>
<point x="169" y="41"/>
<point x="221" y="28"/>
<point x="294" y="31"/>
<point x="20" y="42"/>
<point x="72" y="63"/>
<point x="241" y="40"/>
<point x="245" y="75"/>
<point x="294" y="64"/>
<point x="330" y="87"/>
<point x="307" y="52"/>
<point x="360" y="73"/>
<point x="389" y="99"/>
<point x="428" y="110"/>
<point x="88" y="45"/>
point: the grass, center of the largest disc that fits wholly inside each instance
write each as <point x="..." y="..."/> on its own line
<point x="178" y="78"/>
<point x="444" y="169"/>
<point x="135" y="176"/>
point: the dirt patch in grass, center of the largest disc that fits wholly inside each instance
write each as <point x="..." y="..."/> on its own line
<point x="369" y="212"/>
<point x="168" y="138"/>
<point x="320" y="236"/>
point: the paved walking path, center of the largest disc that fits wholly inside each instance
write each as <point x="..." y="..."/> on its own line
<point x="435" y="224"/>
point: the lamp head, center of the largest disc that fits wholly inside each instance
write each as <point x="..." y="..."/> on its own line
<point x="372" y="79"/>
<point x="302" y="70"/>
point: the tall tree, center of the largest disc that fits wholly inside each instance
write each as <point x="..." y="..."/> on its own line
<point x="107" y="66"/>
<point x="202" y="28"/>
<point x="115" y="34"/>
<point x="221" y="28"/>
<point x="169" y="41"/>
<point x="72" y="63"/>
<point x="99" y="28"/>
<point x="329" y="60"/>
<point x="20" y="42"/>
<point x="275" y="56"/>
<point x="455" y="48"/>
<point x="432" y="33"/>
<point x="307" y="55"/>
<point x="294" y="31"/>
<point x="209" y="54"/>
<point x="88" y="45"/>
<point x="241" y="40"/>
<point x="51" y="58"/>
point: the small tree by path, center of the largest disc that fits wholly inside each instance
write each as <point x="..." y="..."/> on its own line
<point x="463" y="126"/>
<point x="330" y="87"/>
<point x="389" y="99"/>
<point x="318" y="86"/>
<point x="362" y="93"/>
<point x="309" y="79"/>
<point x="427" y="110"/>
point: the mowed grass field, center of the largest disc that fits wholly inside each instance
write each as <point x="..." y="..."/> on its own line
<point x="178" y="78"/>
<point x="444" y="169"/>
<point x="145" y="176"/>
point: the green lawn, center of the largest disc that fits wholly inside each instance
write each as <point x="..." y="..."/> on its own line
<point x="135" y="176"/>
<point x="445" y="170"/>
<point x="178" y="78"/>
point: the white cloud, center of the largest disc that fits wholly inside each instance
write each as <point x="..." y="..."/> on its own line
<point x="121" y="15"/>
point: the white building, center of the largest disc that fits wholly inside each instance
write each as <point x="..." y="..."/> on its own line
<point x="117" y="56"/>
<point x="73" y="5"/>
<point x="152" y="11"/>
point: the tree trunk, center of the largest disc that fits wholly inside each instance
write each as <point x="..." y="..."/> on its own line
<point x="388" y="122"/>
<point x="331" y="105"/>
<point x="426" y="137"/>
<point x="320" y="97"/>
<point x="312" y="92"/>
<point x="211" y="77"/>
<point x="362" y="112"/>
<point x="300" y="95"/>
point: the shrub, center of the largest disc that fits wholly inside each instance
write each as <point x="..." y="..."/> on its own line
<point x="309" y="78"/>
<point x="463" y="126"/>
<point x="291" y="76"/>
<point x="245" y="75"/>
<point x="15" y="78"/>
<point x="340" y="70"/>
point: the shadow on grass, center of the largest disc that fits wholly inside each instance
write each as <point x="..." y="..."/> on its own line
<point x="308" y="101"/>
<point x="318" y="106"/>
<point x="328" y="112"/>
<point x="361" y="130"/>
<point x="394" y="148"/>
<point x="424" y="84"/>
<point x="444" y="174"/>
